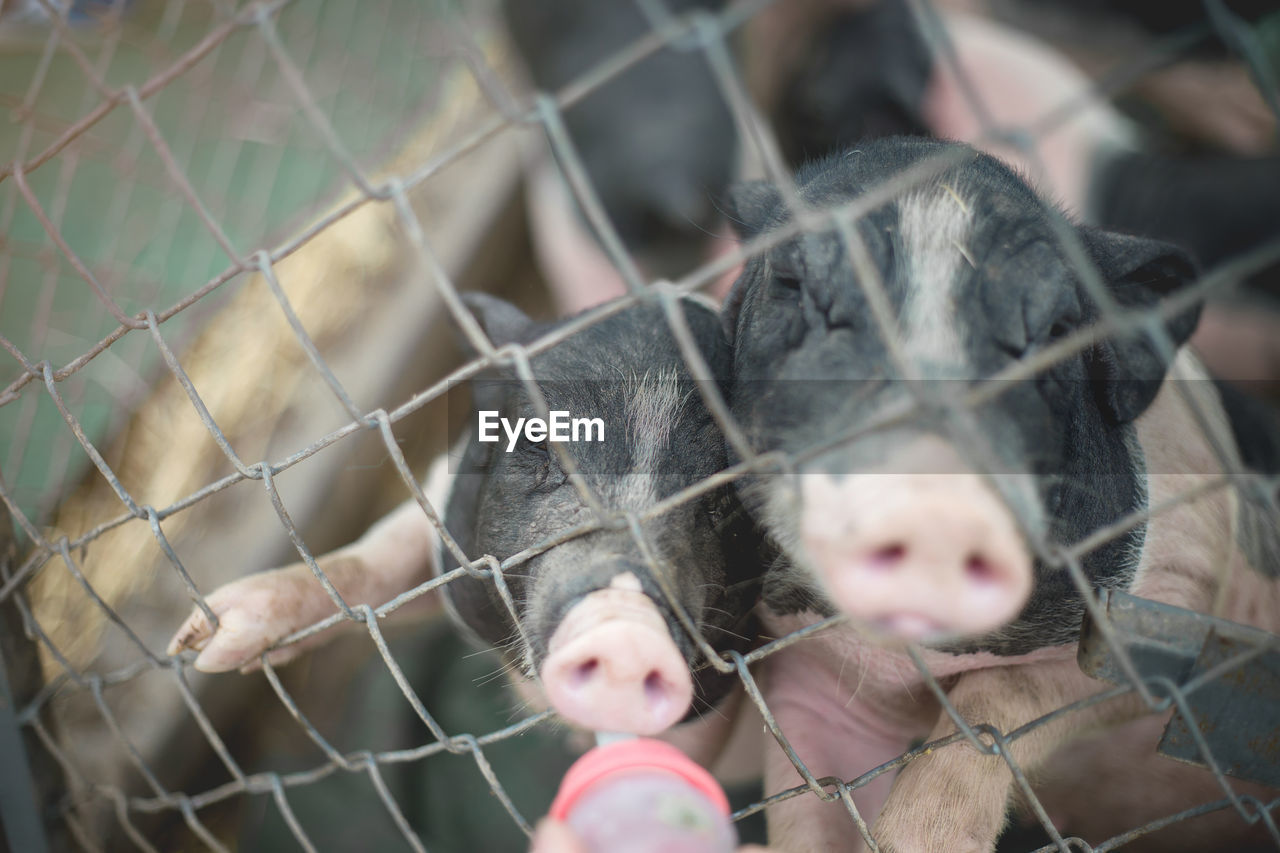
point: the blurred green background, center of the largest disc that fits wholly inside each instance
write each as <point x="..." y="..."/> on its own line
<point x="252" y="157"/>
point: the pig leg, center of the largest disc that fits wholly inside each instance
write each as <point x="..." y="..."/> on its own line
<point x="577" y="270"/>
<point x="1239" y="343"/>
<point x="255" y="612"/>
<point x="832" y="738"/>
<point x="1213" y="102"/>
<point x="1033" y="82"/>
<point x="953" y="799"/>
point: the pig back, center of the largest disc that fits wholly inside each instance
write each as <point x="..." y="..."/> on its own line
<point x="1208" y="548"/>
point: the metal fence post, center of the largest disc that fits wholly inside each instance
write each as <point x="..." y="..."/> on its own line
<point x="20" y="811"/>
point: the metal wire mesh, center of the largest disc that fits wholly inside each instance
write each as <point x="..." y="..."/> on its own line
<point x="178" y="231"/>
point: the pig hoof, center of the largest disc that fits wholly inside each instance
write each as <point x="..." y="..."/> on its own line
<point x="237" y="642"/>
<point x="194" y="634"/>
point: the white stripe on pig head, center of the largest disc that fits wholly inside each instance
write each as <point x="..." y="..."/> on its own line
<point x="654" y="401"/>
<point x="933" y="229"/>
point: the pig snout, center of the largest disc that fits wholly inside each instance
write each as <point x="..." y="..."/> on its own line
<point x="613" y="666"/>
<point x="921" y="547"/>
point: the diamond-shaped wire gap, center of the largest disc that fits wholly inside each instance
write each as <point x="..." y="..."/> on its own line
<point x="81" y="270"/>
<point x="178" y="176"/>
<point x="337" y="759"/>
<point x="304" y="339"/>
<point x="94" y="684"/>
<point x="188" y="697"/>
<point x="319" y="121"/>
<point x="175" y="367"/>
<point x="82" y="789"/>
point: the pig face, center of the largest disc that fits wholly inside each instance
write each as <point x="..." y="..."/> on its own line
<point x="904" y="526"/>
<point x="604" y="637"/>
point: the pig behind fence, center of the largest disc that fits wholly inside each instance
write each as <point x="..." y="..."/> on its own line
<point x="867" y="70"/>
<point x="939" y="508"/>
<point x="656" y="144"/>
<point x="604" y="653"/>
<point x="605" y="639"/>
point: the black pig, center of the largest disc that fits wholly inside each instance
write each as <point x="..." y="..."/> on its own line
<point x="906" y="529"/>
<point x="604" y="639"/>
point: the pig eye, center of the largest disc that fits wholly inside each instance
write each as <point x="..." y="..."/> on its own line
<point x="786" y="272"/>
<point x="546" y="468"/>
<point x="535" y="452"/>
<point x="1051" y="314"/>
<point x="787" y="285"/>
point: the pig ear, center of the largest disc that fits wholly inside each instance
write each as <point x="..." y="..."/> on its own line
<point x="733" y="307"/>
<point x="501" y="321"/>
<point x="1140" y="273"/>
<point x="751" y="207"/>
<point x="703" y="317"/>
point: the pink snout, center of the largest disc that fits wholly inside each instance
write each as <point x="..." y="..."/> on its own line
<point x="919" y="555"/>
<point x="612" y="666"/>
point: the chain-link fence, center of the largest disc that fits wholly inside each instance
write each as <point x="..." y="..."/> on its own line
<point x="226" y="228"/>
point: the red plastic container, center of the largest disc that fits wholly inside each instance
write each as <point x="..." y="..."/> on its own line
<point x="644" y="796"/>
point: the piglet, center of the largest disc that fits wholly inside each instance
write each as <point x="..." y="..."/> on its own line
<point x="929" y="528"/>
<point x="604" y="639"/>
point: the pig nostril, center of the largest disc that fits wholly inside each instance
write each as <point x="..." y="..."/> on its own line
<point x="888" y="556"/>
<point x="978" y="569"/>
<point x="654" y="687"/>
<point x="582" y="672"/>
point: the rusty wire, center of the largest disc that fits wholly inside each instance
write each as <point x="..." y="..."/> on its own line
<point x="700" y="31"/>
